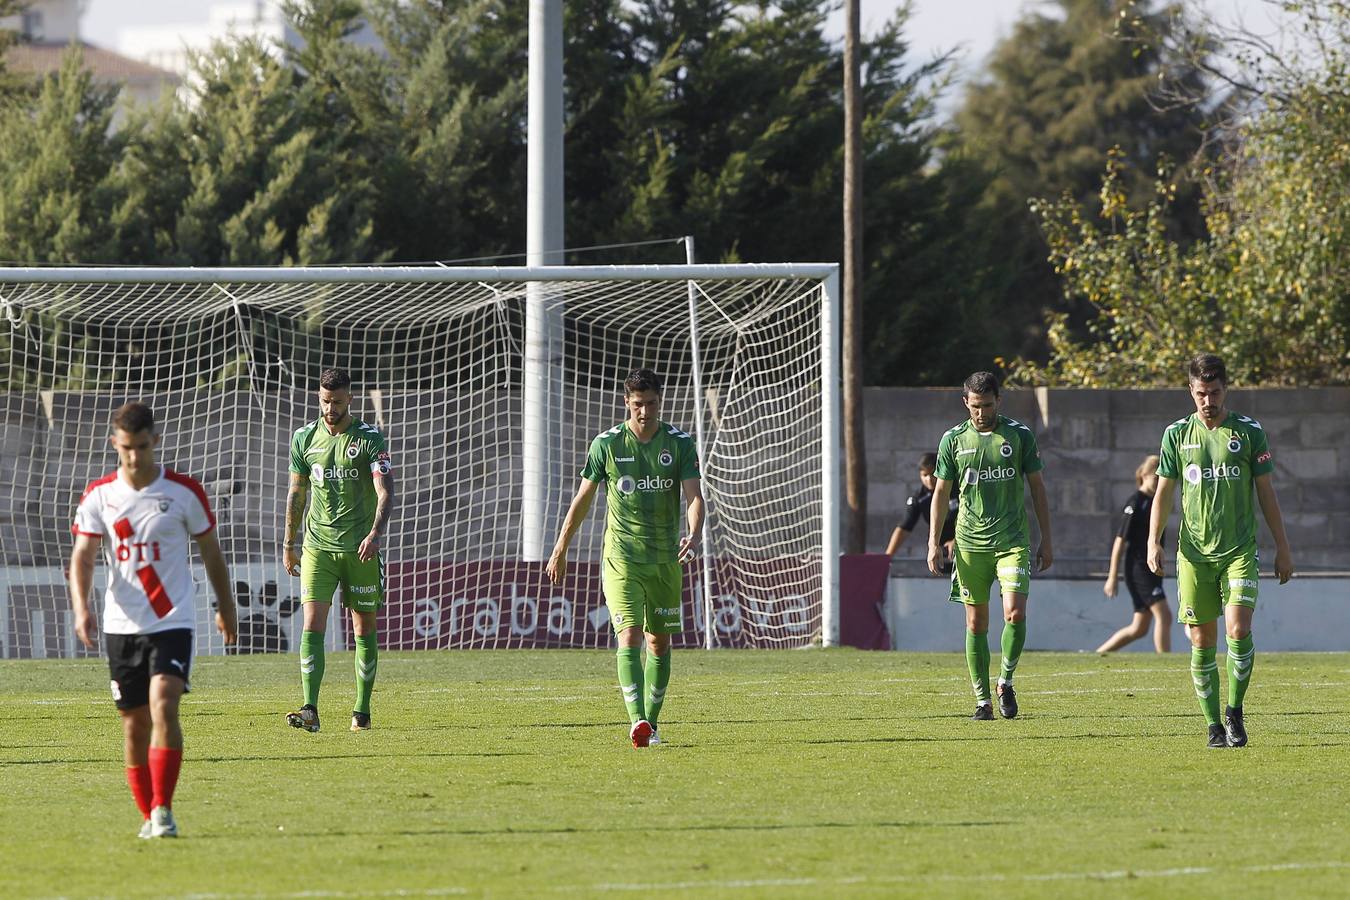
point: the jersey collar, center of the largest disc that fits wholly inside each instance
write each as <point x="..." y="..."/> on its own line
<point x="153" y="481"/>
<point x="628" y="431"/>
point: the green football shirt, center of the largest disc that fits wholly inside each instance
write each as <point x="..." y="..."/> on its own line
<point x="1216" y="470"/>
<point x="986" y="470"/>
<point x="342" y="470"/>
<point x="642" y="490"/>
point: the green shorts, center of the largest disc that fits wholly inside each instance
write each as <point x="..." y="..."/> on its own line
<point x="976" y="570"/>
<point x="1205" y="587"/>
<point x="321" y="571"/>
<point x="646" y="594"/>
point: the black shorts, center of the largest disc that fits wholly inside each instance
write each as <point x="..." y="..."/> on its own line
<point x="1146" y="588"/>
<point x="133" y="658"/>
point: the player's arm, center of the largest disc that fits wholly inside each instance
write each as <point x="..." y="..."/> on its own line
<point x="1117" y="549"/>
<point x="576" y="514"/>
<point x="1044" y="554"/>
<point x="384" y="505"/>
<point x="1270" y="508"/>
<point x="1157" y="522"/>
<point x="297" y="496"/>
<point x="937" y="517"/>
<point x="82" y="560"/>
<point x="227" y="617"/>
<point x="905" y="528"/>
<point x="694" y="512"/>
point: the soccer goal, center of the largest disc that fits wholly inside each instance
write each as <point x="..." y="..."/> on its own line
<point x="489" y="384"/>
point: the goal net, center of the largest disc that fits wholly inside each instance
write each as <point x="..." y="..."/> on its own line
<point x="444" y="363"/>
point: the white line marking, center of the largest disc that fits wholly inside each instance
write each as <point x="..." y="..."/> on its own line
<point x="1114" y="875"/>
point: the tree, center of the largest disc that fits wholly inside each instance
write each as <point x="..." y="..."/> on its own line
<point x="1064" y="87"/>
<point x="1269" y="288"/>
<point x="58" y="163"/>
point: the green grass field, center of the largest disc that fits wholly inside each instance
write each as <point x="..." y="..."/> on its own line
<point x="793" y="773"/>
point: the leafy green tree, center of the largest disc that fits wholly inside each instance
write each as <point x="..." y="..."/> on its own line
<point x="1269" y="289"/>
<point x="57" y="170"/>
<point x="447" y="123"/>
<point x="725" y="121"/>
<point x="1074" y="79"/>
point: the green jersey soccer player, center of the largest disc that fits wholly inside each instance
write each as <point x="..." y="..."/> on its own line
<point x="645" y="465"/>
<point x="1217" y="457"/>
<point x="340" y="465"/>
<point x="987" y="457"/>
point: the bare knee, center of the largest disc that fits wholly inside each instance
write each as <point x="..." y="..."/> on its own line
<point x="630" y="638"/>
<point x="136" y="724"/>
<point x="658" y="644"/>
<point x="1237" y="631"/>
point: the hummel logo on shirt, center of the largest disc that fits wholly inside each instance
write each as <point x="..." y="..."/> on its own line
<point x="625" y="459"/>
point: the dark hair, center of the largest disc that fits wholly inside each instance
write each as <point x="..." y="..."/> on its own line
<point x="640" y="380"/>
<point x="1208" y="367"/>
<point x="928" y="460"/>
<point x="981" y="383"/>
<point x="133" y="416"/>
<point x="334" y="380"/>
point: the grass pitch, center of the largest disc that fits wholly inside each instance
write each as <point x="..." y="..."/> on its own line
<point x="794" y="773"/>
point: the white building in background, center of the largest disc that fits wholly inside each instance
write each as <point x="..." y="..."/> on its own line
<point x="169" y="46"/>
<point x="46" y="30"/>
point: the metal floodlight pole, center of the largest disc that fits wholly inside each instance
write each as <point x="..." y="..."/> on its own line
<point x="541" y="403"/>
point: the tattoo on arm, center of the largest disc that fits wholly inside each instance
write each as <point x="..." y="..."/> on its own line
<point x="295" y="510"/>
<point x="384" y="505"/>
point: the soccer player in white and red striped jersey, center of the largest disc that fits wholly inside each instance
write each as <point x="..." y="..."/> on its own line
<point x="143" y="515"/>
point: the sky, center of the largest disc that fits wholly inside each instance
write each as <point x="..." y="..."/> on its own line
<point x="936" y="26"/>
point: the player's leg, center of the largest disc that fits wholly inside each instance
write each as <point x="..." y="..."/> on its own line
<point x="1141" y="595"/>
<point x="1162" y="625"/>
<point x="971" y="580"/>
<point x="1199" y="609"/>
<point x="367" y="662"/>
<point x="977" y="658"/>
<point x="319" y="575"/>
<point x="1014" y="577"/>
<point x="1137" y="628"/>
<point x="129" y="678"/>
<point x="625" y="599"/>
<point x="1012" y="640"/>
<point x="166" y="750"/>
<point x="170" y="677"/>
<point x="363" y="594"/>
<point x="1241" y="581"/>
<point x="657" y="677"/>
<point x="662" y="619"/>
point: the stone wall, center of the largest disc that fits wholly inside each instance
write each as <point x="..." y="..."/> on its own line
<point x="1092" y="441"/>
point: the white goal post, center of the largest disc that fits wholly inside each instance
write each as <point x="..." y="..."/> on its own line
<point x="228" y="358"/>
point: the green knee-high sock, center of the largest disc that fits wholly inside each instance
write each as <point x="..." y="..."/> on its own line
<point x="630" y="681"/>
<point x="658" y="676"/>
<point x="311" y="665"/>
<point x="1205" y="675"/>
<point x="977" y="660"/>
<point x="367" y="656"/>
<point x="1241" y="653"/>
<point x="1014" y="636"/>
